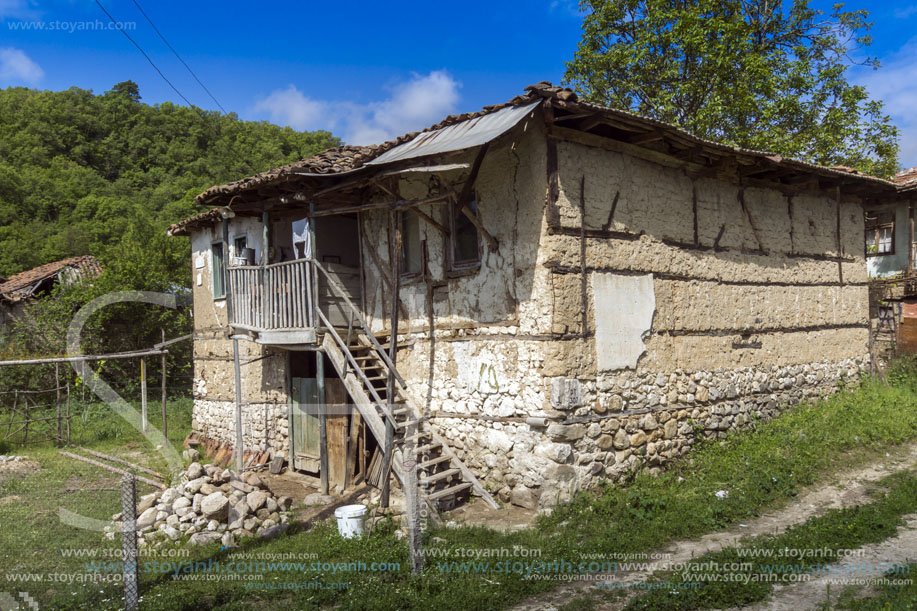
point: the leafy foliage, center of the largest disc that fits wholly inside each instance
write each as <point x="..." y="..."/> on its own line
<point x="755" y="73"/>
<point x="105" y="175"/>
<point x="83" y="173"/>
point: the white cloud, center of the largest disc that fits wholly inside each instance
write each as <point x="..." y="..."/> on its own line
<point x="895" y="83"/>
<point x="20" y="9"/>
<point x="905" y="12"/>
<point x="290" y="107"/>
<point x="17" y="67"/>
<point x="410" y="106"/>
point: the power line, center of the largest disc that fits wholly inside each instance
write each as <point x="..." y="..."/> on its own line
<point x="134" y="42"/>
<point x="174" y="52"/>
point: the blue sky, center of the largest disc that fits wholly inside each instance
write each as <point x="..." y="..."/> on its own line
<point x="367" y="71"/>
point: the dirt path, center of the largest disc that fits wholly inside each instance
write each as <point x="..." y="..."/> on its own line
<point x="872" y="563"/>
<point x="844" y="489"/>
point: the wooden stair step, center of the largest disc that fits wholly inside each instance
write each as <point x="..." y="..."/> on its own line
<point x="407" y="423"/>
<point x="448" y="491"/>
<point x="433" y="462"/>
<point x="427" y="448"/>
<point x="446" y="474"/>
<point x="416" y="437"/>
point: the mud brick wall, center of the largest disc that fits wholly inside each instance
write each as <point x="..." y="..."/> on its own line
<point x="632" y="308"/>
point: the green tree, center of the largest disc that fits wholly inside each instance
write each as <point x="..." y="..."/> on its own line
<point x="763" y="74"/>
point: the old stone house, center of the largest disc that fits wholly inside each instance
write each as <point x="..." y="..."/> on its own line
<point x="580" y="291"/>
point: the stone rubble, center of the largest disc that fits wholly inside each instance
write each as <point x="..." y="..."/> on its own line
<point x="209" y="504"/>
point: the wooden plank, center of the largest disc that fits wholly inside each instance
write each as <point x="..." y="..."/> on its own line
<point x="159" y="485"/>
<point x="123" y="462"/>
<point x="337" y="424"/>
<point x="356" y="423"/>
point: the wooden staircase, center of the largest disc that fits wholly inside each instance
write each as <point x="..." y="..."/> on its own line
<point x="442" y="478"/>
<point x="364" y="367"/>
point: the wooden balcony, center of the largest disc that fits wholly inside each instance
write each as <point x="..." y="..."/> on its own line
<point x="274" y="303"/>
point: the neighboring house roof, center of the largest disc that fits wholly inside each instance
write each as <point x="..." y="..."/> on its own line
<point x="22" y="285"/>
<point x="645" y="132"/>
<point x="906" y="179"/>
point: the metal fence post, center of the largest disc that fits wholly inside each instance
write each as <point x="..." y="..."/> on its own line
<point x="129" y="541"/>
<point x="143" y="393"/>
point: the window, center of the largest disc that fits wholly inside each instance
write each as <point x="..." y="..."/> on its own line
<point x="218" y="270"/>
<point x="466" y="251"/>
<point x="239" y="244"/>
<point x="411" y="261"/>
<point x="880" y="233"/>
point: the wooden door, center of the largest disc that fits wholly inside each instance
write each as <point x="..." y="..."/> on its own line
<point x="337" y="431"/>
<point x="304" y="436"/>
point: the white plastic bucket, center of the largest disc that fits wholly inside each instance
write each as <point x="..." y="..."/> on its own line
<point x="351" y="519"/>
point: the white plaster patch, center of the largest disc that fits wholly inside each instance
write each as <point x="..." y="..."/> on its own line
<point x="624" y="308"/>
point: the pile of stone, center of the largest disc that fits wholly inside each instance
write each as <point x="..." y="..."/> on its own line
<point x="210" y="504"/>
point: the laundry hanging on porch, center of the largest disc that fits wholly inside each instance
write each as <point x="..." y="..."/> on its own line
<point x="302" y="238"/>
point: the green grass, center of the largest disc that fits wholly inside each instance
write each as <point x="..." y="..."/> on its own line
<point x="761" y="469"/>
<point x="33" y="535"/>
<point x="839" y="529"/>
<point x="899" y="593"/>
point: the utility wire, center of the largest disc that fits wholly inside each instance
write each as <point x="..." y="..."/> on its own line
<point x="174" y="52"/>
<point x="134" y="42"/>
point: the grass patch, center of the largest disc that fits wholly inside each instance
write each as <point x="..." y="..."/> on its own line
<point x="900" y="592"/>
<point x="33" y="534"/>
<point x="733" y="577"/>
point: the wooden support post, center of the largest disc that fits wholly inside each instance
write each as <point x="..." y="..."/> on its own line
<point x="238" y="412"/>
<point x="165" y="429"/>
<point x="395" y="259"/>
<point x="230" y="311"/>
<point x="143" y="414"/>
<point x="910" y="236"/>
<point x="322" y="420"/>
<point x="266" y="289"/>
<point x="57" y="390"/>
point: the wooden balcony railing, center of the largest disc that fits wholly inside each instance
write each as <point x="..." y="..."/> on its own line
<point x="278" y="297"/>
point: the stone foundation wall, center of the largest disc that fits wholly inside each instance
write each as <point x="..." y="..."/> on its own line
<point x="603" y="429"/>
<point x="264" y="425"/>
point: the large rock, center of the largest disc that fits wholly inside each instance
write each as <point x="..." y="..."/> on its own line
<point x="181" y="502"/>
<point x="194" y="486"/>
<point x="168" y="496"/>
<point x="147" y="518"/>
<point x="196" y="502"/>
<point x="172" y="532"/>
<point x="205" y="537"/>
<point x="194" y="471"/>
<point x="524" y="497"/>
<point x="267" y="533"/>
<point x="147" y="501"/>
<point x="215" y="506"/>
<point x="621" y="440"/>
<point x="237" y="514"/>
<point x="252" y="479"/>
<point x="242" y="486"/>
<point x="256" y="499"/>
<point x="208" y="489"/>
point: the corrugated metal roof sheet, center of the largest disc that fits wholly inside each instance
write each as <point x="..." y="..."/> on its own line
<point x="463" y="135"/>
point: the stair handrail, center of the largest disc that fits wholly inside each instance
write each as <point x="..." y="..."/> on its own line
<point x="372" y="338"/>
<point x="387" y="412"/>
